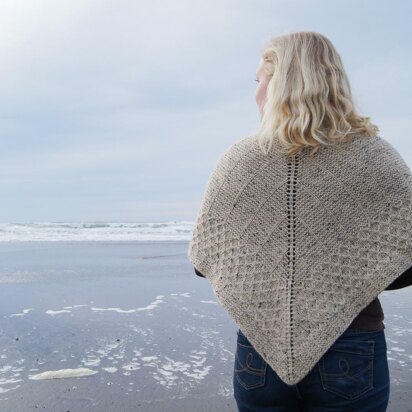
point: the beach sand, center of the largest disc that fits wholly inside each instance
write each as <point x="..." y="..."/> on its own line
<point x="128" y="326"/>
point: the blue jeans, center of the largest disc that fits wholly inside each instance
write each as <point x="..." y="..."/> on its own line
<point x="353" y="375"/>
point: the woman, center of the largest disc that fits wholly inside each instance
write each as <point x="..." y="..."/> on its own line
<point x="300" y="228"/>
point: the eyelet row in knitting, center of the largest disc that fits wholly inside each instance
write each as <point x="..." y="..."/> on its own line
<point x="291" y="205"/>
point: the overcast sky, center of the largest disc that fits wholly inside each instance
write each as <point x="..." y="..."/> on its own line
<point x="117" y="110"/>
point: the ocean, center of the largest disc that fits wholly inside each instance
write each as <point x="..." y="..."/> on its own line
<point x="95" y="231"/>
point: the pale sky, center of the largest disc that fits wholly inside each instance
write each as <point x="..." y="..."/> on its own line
<point x="117" y="110"/>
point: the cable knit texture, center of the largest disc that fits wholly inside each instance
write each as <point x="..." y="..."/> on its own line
<point x="295" y="249"/>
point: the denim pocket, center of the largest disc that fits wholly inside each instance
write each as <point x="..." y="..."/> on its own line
<point x="346" y="369"/>
<point x="250" y="367"/>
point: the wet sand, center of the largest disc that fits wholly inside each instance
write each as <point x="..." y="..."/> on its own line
<point x="125" y="326"/>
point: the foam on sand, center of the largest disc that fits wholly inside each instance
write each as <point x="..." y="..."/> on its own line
<point x="57" y="312"/>
<point x="63" y="373"/>
<point x="25" y="311"/>
<point x="153" y="305"/>
<point x="110" y="369"/>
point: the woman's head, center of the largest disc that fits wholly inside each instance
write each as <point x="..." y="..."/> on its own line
<point x="304" y="95"/>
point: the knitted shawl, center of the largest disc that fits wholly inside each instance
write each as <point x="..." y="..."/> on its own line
<point x="295" y="249"/>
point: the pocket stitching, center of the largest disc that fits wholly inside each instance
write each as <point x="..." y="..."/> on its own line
<point x="367" y="387"/>
<point x="258" y="372"/>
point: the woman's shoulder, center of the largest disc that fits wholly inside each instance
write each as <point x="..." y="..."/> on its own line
<point x="242" y="142"/>
<point x="236" y="150"/>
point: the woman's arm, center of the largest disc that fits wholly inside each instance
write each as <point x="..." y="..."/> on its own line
<point x="402" y="281"/>
<point x="198" y="273"/>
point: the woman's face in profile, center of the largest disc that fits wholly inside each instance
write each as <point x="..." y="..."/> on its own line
<point x="263" y="79"/>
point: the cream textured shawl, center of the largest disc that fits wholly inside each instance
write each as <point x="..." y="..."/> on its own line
<point x="295" y="250"/>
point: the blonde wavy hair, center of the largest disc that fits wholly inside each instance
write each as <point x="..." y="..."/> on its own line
<point x="309" y="100"/>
